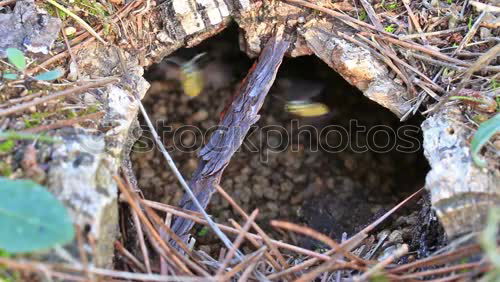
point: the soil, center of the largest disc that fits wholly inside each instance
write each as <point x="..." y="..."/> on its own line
<point x="286" y="177"/>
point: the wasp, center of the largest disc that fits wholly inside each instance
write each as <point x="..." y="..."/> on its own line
<point x="191" y="76"/>
<point x="306" y="108"/>
<point x="302" y="96"/>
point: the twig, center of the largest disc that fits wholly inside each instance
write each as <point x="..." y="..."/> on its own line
<point x="257" y="228"/>
<point x="245" y="261"/>
<point x="128" y="255"/>
<point x="142" y="243"/>
<point x="485" y="7"/>
<point x="183" y="182"/>
<point x="78" y="20"/>
<point x="63" y="93"/>
<point x="414" y="20"/>
<point x="120" y="14"/>
<point x="379" y="266"/>
<point x="480" y="63"/>
<point x="237" y="242"/>
<point x="432" y="33"/>
<point x="439" y="259"/>
<point x="442" y="270"/>
<point x="64" y="123"/>
<point x="185" y="214"/>
<point x="372" y="15"/>
<point x="316" y="235"/>
<point x="235" y="122"/>
<point x="470" y="33"/>
<point x="337" y="15"/>
<point x="171" y="256"/>
<point x="351" y="241"/>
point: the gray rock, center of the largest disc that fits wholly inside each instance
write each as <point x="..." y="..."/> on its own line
<point x="461" y="192"/>
<point x="29" y="29"/>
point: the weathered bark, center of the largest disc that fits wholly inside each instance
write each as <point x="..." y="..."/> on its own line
<point x="237" y="119"/>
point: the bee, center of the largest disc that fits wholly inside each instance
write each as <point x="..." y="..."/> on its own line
<point x="307" y="109"/>
<point x="191" y="76"/>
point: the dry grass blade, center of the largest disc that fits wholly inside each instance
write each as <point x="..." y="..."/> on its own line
<point x="120" y="248"/>
<point x="480" y="63"/>
<point x="443" y="270"/>
<point x="78" y="20"/>
<point x="249" y="259"/>
<point x="59" y="94"/>
<point x="237" y="242"/>
<point x="183" y="182"/>
<point x="173" y="259"/>
<point x="372" y="15"/>
<point x="64" y="123"/>
<point x="316" y="235"/>
<point x="257" y="228"/>
<point x="142" y="243"/>
<point x="439" y="259"/>
<point x="187" y="215"/>
<point x="345" y="18"/>
<point x="379" y="266"/>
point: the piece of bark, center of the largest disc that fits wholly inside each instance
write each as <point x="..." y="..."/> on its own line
<point x="235" y="123"/>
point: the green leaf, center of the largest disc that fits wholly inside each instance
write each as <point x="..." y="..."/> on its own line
<point x="16" y="57"/>
<point x="485" y="131"/>
<point x="488" y="238"/>
<point x="7" y="146"/>
<point x="49" y="75"/>
<point x="203" y="232"/>
<point x="31" y="218"/>
<point x="10" y="76"/>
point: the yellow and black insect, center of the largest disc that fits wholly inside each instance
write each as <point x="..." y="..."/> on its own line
<point x="306" y="109"/>
<point x="191" y="76"/>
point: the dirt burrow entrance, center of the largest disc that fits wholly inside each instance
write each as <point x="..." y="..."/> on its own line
<point x="334" y="174"/>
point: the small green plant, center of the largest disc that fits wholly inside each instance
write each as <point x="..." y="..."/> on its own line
<point x="390" y="28"/>
<point x="18" y="60"/>
<point x="203" y="232"/>
<point x="488" y="241"/>
<point x="31" y="218"/>
<point x="449" y="1"/>
<point x="470" y="22"/>
<point x="5" y="169"/>
<point x="363" y="15"/>
<point x="494" y="84"/>
<point x="7" y="146"/>
<point x="485" y="131"/>
<point x="391" y="6"/>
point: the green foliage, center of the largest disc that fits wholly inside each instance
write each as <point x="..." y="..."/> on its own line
<point x="391" y="6"/>
<point x="495" y="84"/>
<point x="363" y="15"/>
<point x="13" y="135"/>
<point x="16" y="58"/>
<point x="31" y="218"/>
<point x="485" y="131"/>
<point x="203" y="232"/>
<point x="49" y="75"/>
<point x="7" y="146"/>
<point x="5" y="169"/>
<point x="379" y="278"/>
<point x="390" y="28"/>
<point x="470" y="22"/>
<point x="10" y="76"/>
<point x="488" y="241"/>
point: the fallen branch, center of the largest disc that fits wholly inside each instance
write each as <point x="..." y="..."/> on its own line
<point x="236" y="121"/>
